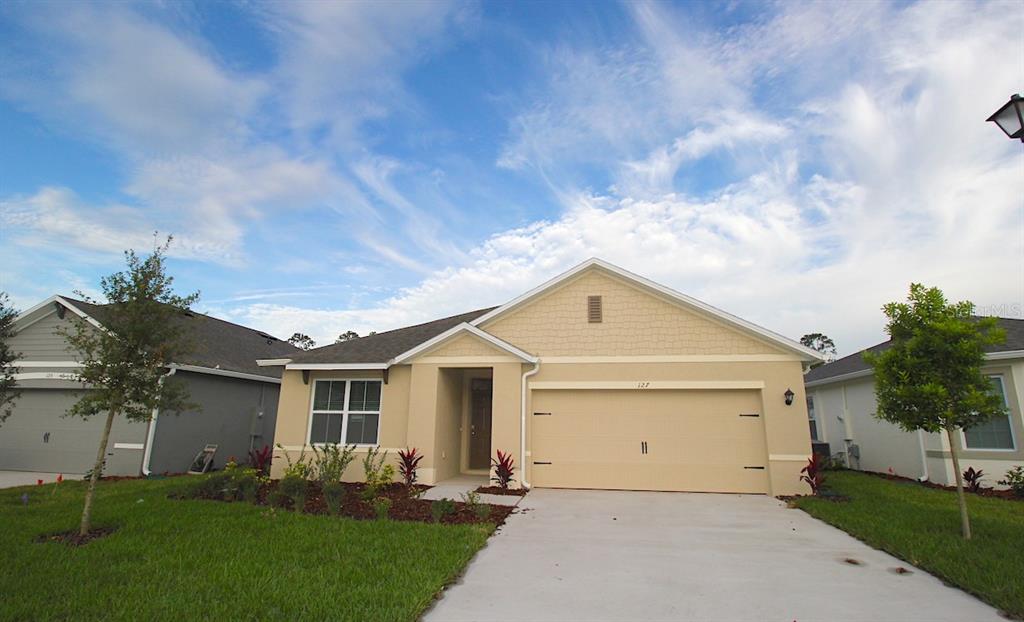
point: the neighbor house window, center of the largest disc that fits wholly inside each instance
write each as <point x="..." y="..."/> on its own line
<point x="345" y="411"/>
<point x="994" y="433"/>
<point x="811" y="419"/>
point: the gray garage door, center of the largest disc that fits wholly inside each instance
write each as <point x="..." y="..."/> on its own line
<point x="37" y="437"/>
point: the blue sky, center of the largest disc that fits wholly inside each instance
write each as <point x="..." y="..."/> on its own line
<point x="335" y="166"/>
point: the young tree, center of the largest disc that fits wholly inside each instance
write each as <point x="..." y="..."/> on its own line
<point x="124" y="364"/>
<point x="348" y="335"/>
<point x="821" y="343"/>
<point x="930" y="376"/>
<point x="8" y="383"/>
<point x="301" y="341"/>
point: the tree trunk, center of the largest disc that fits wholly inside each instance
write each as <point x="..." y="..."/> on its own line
<point x="965" y="521"/>
<point x="83" y="529"/>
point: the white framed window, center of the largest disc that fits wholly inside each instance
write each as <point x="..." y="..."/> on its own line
<point x="345" y="411"/>
<point x="996" y="433"/>
<point x="812" y="420"/>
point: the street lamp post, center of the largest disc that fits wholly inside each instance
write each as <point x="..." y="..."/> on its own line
<point x="1010" y="118"/>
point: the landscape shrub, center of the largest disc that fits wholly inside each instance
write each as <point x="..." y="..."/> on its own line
<point x="504" y="467"/>
<point x="381" y="507"/>
<point x="973" y="479"/>
<point x="260" y="459"/>
<point x="441" y="508"/>
<point x="334" y="496"/>
<point x="299" y="468"/>
<point x="376" y="473"/>
<point x="409" y="464"/>
<point x="813" y="474"/>
<point x="330" y="461"/>
<point x="294" y="488"/>
<point x="1015" y="480"/>
<point x="471" y="500"/>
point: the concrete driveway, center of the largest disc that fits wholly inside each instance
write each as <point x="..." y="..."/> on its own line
<point x="608" y="555"/>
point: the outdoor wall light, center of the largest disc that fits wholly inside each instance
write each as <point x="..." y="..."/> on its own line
<point x="789" y="396"/>
<point x="1010" y="118"/>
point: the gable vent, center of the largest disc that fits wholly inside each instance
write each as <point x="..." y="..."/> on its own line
<point x="594" y="309"/>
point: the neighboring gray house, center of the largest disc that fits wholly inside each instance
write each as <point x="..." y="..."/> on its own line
<point x="841" y="406"/>
<point x="237" y="399"/>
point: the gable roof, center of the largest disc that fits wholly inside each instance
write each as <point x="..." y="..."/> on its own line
<point x="464" y="328"/>
<point x="380" y="348"/>
<point x="217" y="344"/>
<point x="688" y="302"/>
<point x="853" y="366"/>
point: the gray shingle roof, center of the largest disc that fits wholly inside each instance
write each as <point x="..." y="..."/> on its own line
<point x="383" y="347"/>
<point x="219" y="344"/>
<point x="855" y="362"/>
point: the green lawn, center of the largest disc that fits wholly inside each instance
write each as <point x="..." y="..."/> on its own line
<point x="922" y="526"/>
<point x="207" y="560"/>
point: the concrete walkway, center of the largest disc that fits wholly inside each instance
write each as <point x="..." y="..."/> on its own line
<point x="455" y="487"/>
<point x="10" y="479"/>
<point x="607" y="555"/>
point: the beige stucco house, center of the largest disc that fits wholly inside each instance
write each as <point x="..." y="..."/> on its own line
<point x="598" y="378"/>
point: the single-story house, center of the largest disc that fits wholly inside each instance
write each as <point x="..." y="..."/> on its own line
<point x="841" y="404"/>
<point x="598" y="378"/>
<point x="237" y="399"/>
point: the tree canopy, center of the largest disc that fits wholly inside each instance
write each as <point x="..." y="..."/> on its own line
<point x="302" y="341"/>
<point x="8" y="382"/>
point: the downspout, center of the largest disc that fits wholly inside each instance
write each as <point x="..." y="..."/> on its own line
<point x="924" y="457"/>
<point x="522" y="422"/>
<point x="151" y="431"/>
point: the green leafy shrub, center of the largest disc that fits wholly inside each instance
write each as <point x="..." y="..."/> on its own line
<point x="248" y="487"/>
<point x="471" y="500"/>
<point x="330" y="461"/>
<point x="376" y="473"/>
<point x="381" y="507"/>
<point x="299" y="468"/>
<point x="294" y="488"/>
<point x="212" y="486"/>
<point x="1015" y="480"/>
<point x="441" y="508"/>
<point x="334" y="496"/>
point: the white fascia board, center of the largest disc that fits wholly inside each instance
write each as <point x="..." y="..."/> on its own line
<point x="272" y="362"/>
<point x="1002" y="356"/>
<point x="335" y="366"/>
<point x="22" y="321"/>
<point x="465" y="327"/>
<point x="225" y="372"/>
<point x="863" y="373"/>
<point x="25" y="364"/>
<point x="789" y="344"/>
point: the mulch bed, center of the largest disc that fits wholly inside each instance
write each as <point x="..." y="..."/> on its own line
<point x="72" y="537"/>
<point x="983" y="492"/>
<point x="498" y="490"/>
<point x="403" y="506"/>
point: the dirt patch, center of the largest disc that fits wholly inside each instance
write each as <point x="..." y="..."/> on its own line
<point x="498" y="490"/>
<point x="984" y="492"/>
<point x="73" y="538"/>
<point x="405" y="506"/>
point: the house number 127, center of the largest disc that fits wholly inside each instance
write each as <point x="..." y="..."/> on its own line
<point x="643" y="385"/>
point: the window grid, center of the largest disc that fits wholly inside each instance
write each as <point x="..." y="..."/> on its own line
<point x="345" y="412"/>
<point x="996" y="434"/>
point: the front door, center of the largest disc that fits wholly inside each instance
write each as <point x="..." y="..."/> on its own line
<point x="480" y="424"/>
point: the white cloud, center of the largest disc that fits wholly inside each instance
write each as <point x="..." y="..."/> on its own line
<point x="887" y="177"/>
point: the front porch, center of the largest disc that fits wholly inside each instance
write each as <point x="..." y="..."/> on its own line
<point x="454" y="487"/>
<point x="475" y="412"/>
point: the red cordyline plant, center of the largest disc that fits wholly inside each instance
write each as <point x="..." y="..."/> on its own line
<point x="973" y="479"/>
<point x="504" y="466"/>
<point x="812" y="473"/>
<point x="260" y="459"/>
<point x="408" y="463"/>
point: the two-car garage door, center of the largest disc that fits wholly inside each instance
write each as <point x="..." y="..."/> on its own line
<point x="683" y="440"/>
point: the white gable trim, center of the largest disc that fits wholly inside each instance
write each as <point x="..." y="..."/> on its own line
<point x="682" y="299"/>
<point x="20" y="324"/>
<point x="456" y="330"/>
